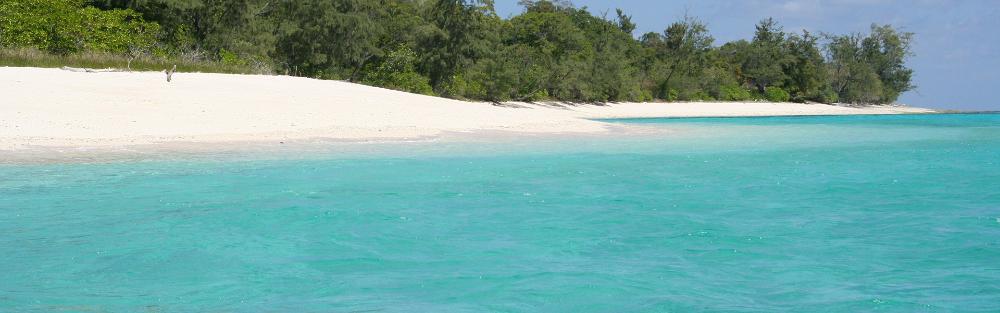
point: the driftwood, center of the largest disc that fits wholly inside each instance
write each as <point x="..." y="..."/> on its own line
<point x="91" y="70"/>
<point x="509" y="105"/>
<point x="170" y="72"/>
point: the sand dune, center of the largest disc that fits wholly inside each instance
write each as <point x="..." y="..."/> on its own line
<point x="52" y="107"/>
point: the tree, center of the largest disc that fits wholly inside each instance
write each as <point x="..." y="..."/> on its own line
<point x="870" y="69"/>
<point x="397" y="71"/>
<point x="625" y="23"/>
<point x="804" y="71"/>
<point x="683" y="50"/>
<point x="328" y="38"/>
<point x="852" y="78"/>
<point x="462" y="49"/>
<point x="611" y="57"/>
<point x="545" y="6"/>
<point x="462" y="37"/>
<point x="550" y="40"/>
<point x="721" y="80"/>
<point x="886" y="51"/>
<point x="510" y="72"/>
<point x="233" y="31"/>
<point x="765" y="59"/>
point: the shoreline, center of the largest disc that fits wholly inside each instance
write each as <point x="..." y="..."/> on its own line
<point x="53" y="109"/>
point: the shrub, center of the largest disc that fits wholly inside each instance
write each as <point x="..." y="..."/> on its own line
<point x="776" y="94"/>
<point x="828" y="96"/>
<point x="42" y="24"/>
<point x="397" y="72"/>
<point x="410" y="82"/>
<point x="645" y="96"/>
<point x="116" y="31"/>
<point x="537" y="96"/>
<point x="66" y="26"/>
<point x="673" y="95"/>
<point x="455" y="87"/>
<point x="735" y="93"/>
<point x="699" y="95"/>
<point x="227" y="57"/>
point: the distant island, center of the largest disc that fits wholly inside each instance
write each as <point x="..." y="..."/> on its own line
<point x="460" y="49"/>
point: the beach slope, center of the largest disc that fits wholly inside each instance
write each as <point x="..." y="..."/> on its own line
<point x="53" y="107"/>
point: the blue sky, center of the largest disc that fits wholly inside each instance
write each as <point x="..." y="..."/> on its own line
<point x="956" y="58"/>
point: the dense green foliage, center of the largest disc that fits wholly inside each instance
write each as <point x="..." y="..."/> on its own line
<point x="462" y="49"/>
<point x="66" y="26"/>
<point x="398" y="72"/>
<point x="776" y="94"/>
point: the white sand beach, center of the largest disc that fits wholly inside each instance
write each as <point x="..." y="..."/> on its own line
<point x="57" y="108"/>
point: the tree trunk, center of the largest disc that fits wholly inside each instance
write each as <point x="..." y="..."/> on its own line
<point x="666" y="83"/>
<point x="357" y="69"/>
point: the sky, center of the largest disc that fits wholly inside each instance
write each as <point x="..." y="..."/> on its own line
<point x="956" y="50"/>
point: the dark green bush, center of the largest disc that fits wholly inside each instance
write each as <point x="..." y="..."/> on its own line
<point x="397" y="71"/>
<point x="828" y="96"/>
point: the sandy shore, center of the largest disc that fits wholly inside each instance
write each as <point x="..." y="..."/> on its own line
<point x="56" y="108"/>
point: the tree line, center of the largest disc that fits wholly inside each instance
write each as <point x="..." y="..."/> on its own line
<point x="463" y="49"/>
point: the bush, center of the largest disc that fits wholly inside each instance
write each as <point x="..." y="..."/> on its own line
<point x="699" y="95"/>
<point x="116" y="31"/>
<point x="397" y="71"/>
<point x="43" y="24"/>
<point x="828" y="96"/>
<point x="645" y="96"/>
<point x="67" y="26"/>
<point x="458" y="87"/>
<point x="227" y="57"/>
<point x="410" y="82"/>
<point x="776" y="94"/>
<point x="735" y="93"/>
<point x="673" y="95"/>
<point x="537" y="96"/>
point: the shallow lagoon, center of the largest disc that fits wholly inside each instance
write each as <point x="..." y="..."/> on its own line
<point x="838" y="214"/>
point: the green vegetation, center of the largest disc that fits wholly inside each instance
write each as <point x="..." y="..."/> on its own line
<point x="460" y="49"/>
<point x="67" y="26"/>
<point x="398" y="71"/>
<point x="28" y="57"/>
<point x="776" y="94"/>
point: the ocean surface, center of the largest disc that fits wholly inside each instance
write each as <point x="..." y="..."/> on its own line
<point x="804" y="214"/>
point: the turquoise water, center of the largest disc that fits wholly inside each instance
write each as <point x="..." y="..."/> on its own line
<point x="816" y="214"/>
